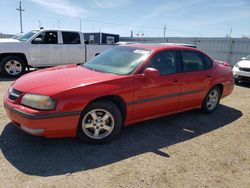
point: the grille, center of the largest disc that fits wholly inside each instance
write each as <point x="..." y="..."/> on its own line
<point x="244" y="69"/>
<point x="14" y="94"/>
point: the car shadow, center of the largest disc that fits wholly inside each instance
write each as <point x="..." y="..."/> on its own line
<point x="5" y="79"/>
<point x="243" y="84"/>
<point x="48" y="157"/>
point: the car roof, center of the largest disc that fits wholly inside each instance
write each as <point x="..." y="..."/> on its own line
<point x="56" y="29"/>
<point x="163" y="46"/>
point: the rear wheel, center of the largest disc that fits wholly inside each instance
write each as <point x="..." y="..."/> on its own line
<point x="12" y="66"/>
<point x="212" y="100"/>
<point x="100" y="123"/>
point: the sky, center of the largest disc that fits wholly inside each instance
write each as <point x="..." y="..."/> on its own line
<point x="189" y="18"/>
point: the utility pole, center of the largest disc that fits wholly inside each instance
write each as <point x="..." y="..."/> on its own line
<point x="164" y="31"/>
<point x="20" y="11"/>
<point x="58" y="23"/>
<point x="230" y="35"/>
<point x="39" y="22"/>
<point x="80" y="24"/>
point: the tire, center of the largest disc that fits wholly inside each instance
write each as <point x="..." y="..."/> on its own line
<point x="12" y="66"/>
<point x="99" y="123"/>
<point x="212" y="100"/>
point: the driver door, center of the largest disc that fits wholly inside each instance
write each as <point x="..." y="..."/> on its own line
<point x="46" y="51"/>
<point x="158" y="95"/>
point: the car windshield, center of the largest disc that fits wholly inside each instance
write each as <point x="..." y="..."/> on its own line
<point x="26" y="36"/>
<point x="119" y="60"/>
<point x="248" y="57"/>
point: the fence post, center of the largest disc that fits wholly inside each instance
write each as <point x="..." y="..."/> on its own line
<point x="230" y="50"/>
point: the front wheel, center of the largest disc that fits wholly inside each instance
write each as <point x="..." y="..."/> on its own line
<point x="12" y="66"/>
<point x="99" y="123"/>
<point x="212" y="100"/>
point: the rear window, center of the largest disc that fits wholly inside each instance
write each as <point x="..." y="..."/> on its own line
<point x="71" y="38"/>
<point x="194" y="61"/>
<point x="209" y="62"/>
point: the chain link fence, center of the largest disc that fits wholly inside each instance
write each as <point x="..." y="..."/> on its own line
<point x="225" y="49"/>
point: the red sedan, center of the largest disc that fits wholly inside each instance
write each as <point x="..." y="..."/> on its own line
<point x="121" y="86"/>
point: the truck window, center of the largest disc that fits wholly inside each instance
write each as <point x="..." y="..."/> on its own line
<point x="71" y="38"/>
<point x="48" y="37"/>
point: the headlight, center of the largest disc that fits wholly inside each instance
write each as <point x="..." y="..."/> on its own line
<point x="40" y="102"/>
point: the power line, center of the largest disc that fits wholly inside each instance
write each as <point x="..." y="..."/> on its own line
<point x="21" y="19"/>
<point x="91" y="20"/>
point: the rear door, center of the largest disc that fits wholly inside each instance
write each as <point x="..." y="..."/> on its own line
<point x="72" y="49"/>
<point x="197" y="75"/>
<point x="158" y="95"/>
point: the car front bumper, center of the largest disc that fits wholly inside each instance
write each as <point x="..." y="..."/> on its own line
<point x="42" y="124"/>
<point x="241" y="75"/>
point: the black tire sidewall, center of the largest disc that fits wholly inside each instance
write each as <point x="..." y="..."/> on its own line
<point x="9" y="58"/>
<point x="111" y="108"/>
<point x="204" y="104"/>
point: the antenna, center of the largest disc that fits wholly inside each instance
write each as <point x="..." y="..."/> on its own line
<point x="20" y="11"/>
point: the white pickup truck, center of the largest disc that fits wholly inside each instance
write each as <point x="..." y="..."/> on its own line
<point x="45" y="48"/>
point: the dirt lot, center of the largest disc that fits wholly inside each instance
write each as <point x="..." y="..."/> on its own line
<point x="184" y="150"/>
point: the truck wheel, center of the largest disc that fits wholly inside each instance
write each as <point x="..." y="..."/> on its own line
<point x="211" y="101"/>
<point x="12" y="66"/>
<point x="99" y="123"/>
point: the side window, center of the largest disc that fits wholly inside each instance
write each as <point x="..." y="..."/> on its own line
<point x="91" y="39"/>
<point x="193" y="61"/>
<point x="49" y="37"/>
<point x="71" y="38"/>
<point x="110" y="40"/>
<point x="166" y="62"/>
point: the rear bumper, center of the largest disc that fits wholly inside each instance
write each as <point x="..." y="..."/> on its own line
<point x="47" y="125"/>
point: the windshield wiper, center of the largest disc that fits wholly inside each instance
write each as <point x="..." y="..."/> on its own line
<point x="90" y="68"/>
<point x="93" y="69"/>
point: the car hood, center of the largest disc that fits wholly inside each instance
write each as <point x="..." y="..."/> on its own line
<point x="11" y="45"/>
<point x="58" y="79"/>
<point x="7" y="40"/>
<point x="244" y="63"/>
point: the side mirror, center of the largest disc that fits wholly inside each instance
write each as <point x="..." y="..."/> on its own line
<point x="243" y="58"/>
<point x="151" y="73"/>
<point x="86" y="42"/>
<point x="37" y="41"/>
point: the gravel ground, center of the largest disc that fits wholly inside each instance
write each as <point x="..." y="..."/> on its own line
<point x="185" y="150"/>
